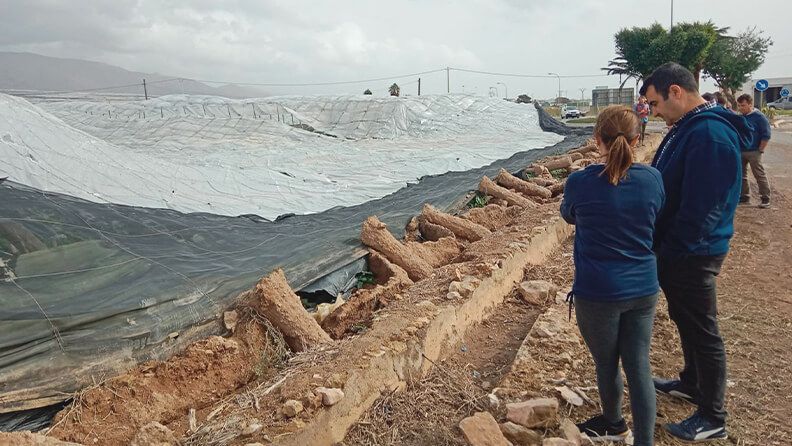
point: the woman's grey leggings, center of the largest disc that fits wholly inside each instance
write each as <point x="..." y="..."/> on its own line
<point x="622" y="329"/>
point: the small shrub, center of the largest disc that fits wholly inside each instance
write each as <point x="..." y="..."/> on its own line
<point x="364" y="278"/>
<point x="479" y="200"/>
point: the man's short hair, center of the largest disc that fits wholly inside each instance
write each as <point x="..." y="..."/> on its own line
<point x="745" y="97"/>
<point x="720" y="98"/>
<point x="669" y="74"/>
<point x="709" y="97"/>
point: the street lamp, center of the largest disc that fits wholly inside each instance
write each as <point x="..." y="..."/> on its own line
<point x="559" y="83"/>
<point x="505" y="90"/>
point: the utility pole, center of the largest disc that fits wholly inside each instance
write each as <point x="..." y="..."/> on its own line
<point x="145" y="91"/>
<point x="582" y="91"/>
<point x="672" y="15"/>
<point x="419" y="86"/>
<point x="559" y="83"/>
<point x="448" y="80"/>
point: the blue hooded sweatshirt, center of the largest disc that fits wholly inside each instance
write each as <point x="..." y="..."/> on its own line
<point x="761" y="127"/>
<point x="699" y="160"/>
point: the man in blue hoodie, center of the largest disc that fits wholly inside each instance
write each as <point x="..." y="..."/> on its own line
<point x="699" y="160"/>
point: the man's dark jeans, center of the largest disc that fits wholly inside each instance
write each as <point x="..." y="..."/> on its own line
<point x="689" y="286"/>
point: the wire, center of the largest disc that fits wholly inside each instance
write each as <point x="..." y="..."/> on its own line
<point x="139" y="84"/>
<point x="529" y="75"/>
<point x="310" y="84"/>
<point x="313" y="84"/>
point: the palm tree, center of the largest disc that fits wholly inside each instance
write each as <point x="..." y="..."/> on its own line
<point x="621" y="67"/>
<point x="394" y="90"/>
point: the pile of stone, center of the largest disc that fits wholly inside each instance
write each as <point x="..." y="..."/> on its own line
<point x="523" y="426"/>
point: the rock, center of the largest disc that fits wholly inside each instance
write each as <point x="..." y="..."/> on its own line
<point x="311" y="401"/>
<point x="570" y="432"/>
<point x="537" y="292"/>
<point x="154" y="434"/>
<point x="464" y="287"/>
<point x="331" y="396"/>
<point x="542" y="332"/>
<point x="585" y="440"/>
<point x="291" y="408"/>
<point x="250" y="428"/>
<point x="230" y="319"/>
<point x="520" y="435"/>
<point x="555" y="441"/>
<point x="570" y="396"/>
<point x="583" y="395"/>
<point x="539" y="412"/>
<point x="494" y="401"/>
<point x="453" y="295"/>
<point x="482" y="430"/>
<point x="336" y="380"/>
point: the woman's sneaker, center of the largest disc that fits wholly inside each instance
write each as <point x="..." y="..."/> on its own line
<point x="600" y="429"/>
<point x="697" y="429"/>
<point x="675" y="388"/>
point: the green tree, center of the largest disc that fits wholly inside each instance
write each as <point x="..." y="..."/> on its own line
<point x="367" y="91"/>
<point x="731" y="60"/>
<point x="394" y="90"/>
<point x="639" y="50"/>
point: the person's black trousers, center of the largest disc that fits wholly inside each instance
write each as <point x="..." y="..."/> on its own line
<point x="688" y="283"/>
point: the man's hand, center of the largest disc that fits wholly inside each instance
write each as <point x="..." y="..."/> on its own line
<point x="762" y="145"/>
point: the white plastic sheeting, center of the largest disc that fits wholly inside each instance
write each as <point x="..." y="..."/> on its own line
<point x="264" y="156"/>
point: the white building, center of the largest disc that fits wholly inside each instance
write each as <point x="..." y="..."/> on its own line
<point x="772" y="93"/>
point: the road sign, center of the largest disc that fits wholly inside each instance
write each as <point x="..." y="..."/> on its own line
<point x="784" y="92"/>
<point x="762" y="85"/>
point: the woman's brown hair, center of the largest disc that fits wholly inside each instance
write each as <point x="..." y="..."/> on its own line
<point x="616" y="126"/>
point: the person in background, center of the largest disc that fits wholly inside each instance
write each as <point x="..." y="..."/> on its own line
<point x="699" y="160"/>
<point x="752" y="154"/>
<point x="709" y="97"/>
<point x="641" y="108"/>
<point x="720" y="99"/>
<point x="613" y="206"/>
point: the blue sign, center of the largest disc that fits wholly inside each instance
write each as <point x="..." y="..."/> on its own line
<point x="762" y="85"/>
<point x="784" y="92"/>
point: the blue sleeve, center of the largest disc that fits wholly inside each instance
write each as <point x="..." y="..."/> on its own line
<point x="661" y="195"/>
<point x="567" y="203"/>
<point x="764" y="129"/>
<point x="712" y="169"/>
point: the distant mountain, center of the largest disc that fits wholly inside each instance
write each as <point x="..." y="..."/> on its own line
<point x="28" y="71"/>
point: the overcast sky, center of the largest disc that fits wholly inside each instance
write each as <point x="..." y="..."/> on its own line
<point x="294" y="41"/>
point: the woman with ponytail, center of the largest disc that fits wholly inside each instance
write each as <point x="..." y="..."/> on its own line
<point x="613" y="206"/>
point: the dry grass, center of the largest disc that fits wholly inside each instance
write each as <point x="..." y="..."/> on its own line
<point x="424" y="413"/>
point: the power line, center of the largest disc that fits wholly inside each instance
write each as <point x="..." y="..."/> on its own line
<point x="316" y="84"/>
<point x="312" y="84"/>
<point x="83" y="90"/>
<point x="538" y="76"/>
